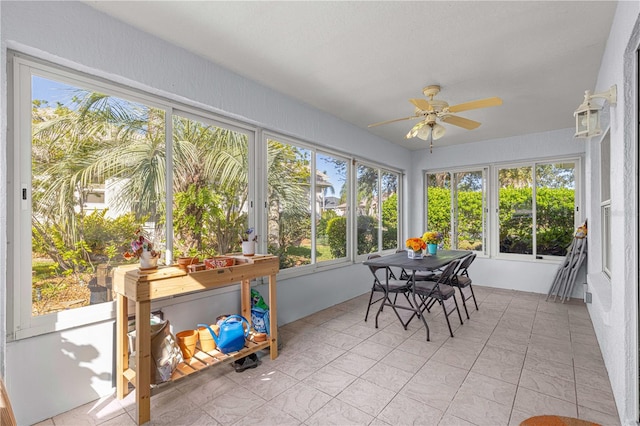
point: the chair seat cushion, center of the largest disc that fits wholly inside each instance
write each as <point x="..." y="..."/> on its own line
<point x="462" y="281"/>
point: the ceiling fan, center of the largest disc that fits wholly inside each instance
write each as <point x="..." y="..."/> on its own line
<point x="432" y="110"/>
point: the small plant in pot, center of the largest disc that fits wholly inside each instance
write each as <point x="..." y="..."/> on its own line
<point x="248" y="241"/>
<point x="142" y="248"/>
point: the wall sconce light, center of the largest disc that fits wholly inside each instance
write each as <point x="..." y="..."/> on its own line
<point x="588" y="115"/>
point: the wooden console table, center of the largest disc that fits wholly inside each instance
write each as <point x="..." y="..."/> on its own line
<point x="144" y="286"/>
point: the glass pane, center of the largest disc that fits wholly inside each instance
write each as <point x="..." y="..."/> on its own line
<point x="367" y="211"/>
<point x="606" y="238"/>
<point x="605" y="168"/>
<point x="331" y="207"/>
<point x="389" y="210"/>
<point x="469" y="209"/>
<point x="97" y="178"/>
<point x="210" y="188"/>
<point x="555" y="206"/>
<point x="289" y="224"/>
<point x="516" y="214"/>
<point x="439" y="206"/>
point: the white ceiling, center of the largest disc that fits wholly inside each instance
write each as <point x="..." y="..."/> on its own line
<point x="361" y="61"/>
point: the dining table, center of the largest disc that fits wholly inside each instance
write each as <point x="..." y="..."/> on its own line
<point x="428" y="263"/>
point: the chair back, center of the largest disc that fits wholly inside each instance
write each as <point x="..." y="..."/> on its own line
<point x="448" y="272"/>
<point x="464" y="265"/>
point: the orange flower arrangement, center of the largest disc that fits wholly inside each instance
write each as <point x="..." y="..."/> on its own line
<point x="416" y="244"/>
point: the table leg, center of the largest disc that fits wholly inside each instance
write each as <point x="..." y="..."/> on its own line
<point x="273" y="316"/>
<point x="143" y="361"/>
<point x="122" y="346"/>
<point x="245" y="299"/>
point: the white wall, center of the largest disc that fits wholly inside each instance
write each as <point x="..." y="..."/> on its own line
<point x="614" y="311"/>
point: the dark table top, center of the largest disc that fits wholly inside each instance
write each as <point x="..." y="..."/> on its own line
<point x="427" y="263"/>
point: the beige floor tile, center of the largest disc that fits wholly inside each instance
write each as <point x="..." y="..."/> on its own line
<point x="534" y="403"/>
<point x="552" y="386"/>
<point x="489" y="388"/>
<point x="437" y="372"/>
<point x="502" y="356"/>
<point x="342" y="340"/>
<point x="353" y="363"/>
<point x="330" y="380"/>
<point x="404" y="361"/>
<point x="267" y="411"/>
<point x="479" y="411"/>
<point x="387" y="376"/>
<point x="366" y="396"/>
<point x="505" y="372"/>
<point x="406" y="411"/>
<point x="549" y="367"/>
<point x="93" y="413"/>
<point x="300" y="401"/>
<point x="372" y="350"/>
<point x="339" y="413"/>
<point x="595" y="416"/>
<point x="557" y="355"/>
<point x="228" y="408"/>
<point x="597" y="399"/>
<point x="595" y="378"/>
<point x="518" y="417"/>
<point x="461" y="358"/>
<point x="435" y="394"/>
<point x="451" y="420"/>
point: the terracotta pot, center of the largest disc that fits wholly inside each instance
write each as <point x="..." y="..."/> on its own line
<point x="187" y="341"/>
<point x="183" y="262"/>
<point x="224" y="261"/>
<point x="207" y="344"/>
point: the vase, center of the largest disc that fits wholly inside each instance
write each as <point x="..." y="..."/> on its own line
<point x="147" y="261"/>
<point x="248" y="248"/>
<point x="415" y="254"/>
<point x="433" y="249"/>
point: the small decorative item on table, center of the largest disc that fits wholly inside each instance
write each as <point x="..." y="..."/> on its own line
<point x="142" y="248"/>
<point x="248" y="242"/>
<point x="432" y="238"/>
<point x="415" y="246"/>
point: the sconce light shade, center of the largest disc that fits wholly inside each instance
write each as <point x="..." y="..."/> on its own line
<point x="588" y="115"/>
<point x="587" y="121"/>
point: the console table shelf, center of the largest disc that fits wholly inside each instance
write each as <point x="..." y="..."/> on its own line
<point x="142" y="287"/>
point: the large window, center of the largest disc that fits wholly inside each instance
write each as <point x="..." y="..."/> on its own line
<point x="456" y="205"/>
<point x="536" y="208"/>
<point x="378" y="207"/>
<point x="94" y="164"/>
<point x="307" y="204"/>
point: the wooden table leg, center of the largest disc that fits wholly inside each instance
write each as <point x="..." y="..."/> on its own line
<point x="143" y="361"/>
<point x="245" y="299"/>
<point x="273" y="316"/>
<point x="122" y="347"/>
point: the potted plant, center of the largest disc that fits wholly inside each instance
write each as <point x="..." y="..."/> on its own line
<point x="248" y="241"/>
<point x="415" y="246"/>
<point x="432" y="239"/>
<point x="142" y="248"/>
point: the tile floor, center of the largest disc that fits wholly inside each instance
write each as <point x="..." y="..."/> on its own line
<point x="518" y="356"/>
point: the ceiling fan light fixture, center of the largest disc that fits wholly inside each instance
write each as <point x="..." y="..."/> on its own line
<point x="423" y="132"/>
<point x="438" y="131"/>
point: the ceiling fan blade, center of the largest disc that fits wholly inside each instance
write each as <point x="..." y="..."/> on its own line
<point x="422" y="104"/>
<point x="480" y="103"/>
<point x="392" y="121"/>
<point x="460" y="122"/>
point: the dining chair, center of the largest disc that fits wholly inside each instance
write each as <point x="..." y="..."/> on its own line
<point x="419" y="275"/>
<point x="385" y="282"/>
<point x="430" y="292"/>
<point x="462" y="281"/>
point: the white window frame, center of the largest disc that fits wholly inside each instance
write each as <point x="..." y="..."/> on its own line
<point x="605" y="204"/>
<point x="354" y="212"/>
<point x="454" y="209"/>
<point x="495" y="233"/>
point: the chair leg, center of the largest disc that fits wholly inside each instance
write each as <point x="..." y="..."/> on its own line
<point x="446" y="316"/>
<point x="457" y="309"/>
<point x="370" y="303"/>
<point x="463" y="302"/>
<point x="474" y="297"/>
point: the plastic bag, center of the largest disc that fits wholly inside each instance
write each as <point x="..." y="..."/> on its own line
<point x="165" y="352"/>
<point x="259" y="313"/>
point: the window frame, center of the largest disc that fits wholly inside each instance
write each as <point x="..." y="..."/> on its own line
<point x="453" y="214"/>
<point x="605" y="203"/>
<point x="533" y="163"/>
<point x="354" y="213"/>
<point x="20" y="323"/>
